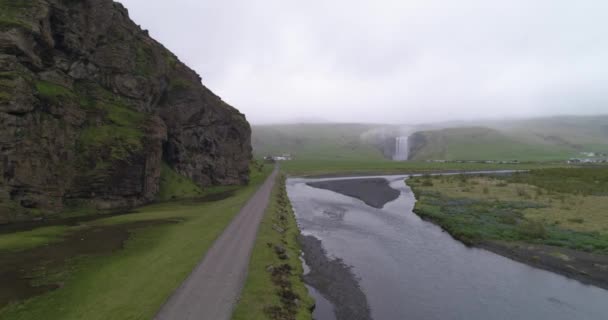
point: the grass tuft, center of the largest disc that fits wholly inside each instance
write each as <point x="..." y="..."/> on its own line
<point x="274" y="280"/>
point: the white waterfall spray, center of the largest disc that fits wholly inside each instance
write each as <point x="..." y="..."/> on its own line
<point x="402" y="149"/>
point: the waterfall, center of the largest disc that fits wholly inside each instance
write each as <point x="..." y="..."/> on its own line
<point x="402" y="149"/>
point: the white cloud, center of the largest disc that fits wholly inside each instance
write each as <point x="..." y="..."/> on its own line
<point x="391" y="60"/>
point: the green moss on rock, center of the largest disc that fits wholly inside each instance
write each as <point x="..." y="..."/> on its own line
<point x="14" y="13"/>
<point x="53" y="92"/>
<point x="144" y="61"/>
<point x="120" y="134"/>
<point x="4" y="97"/>
<point x="117" y="142"/>
<point x="175" y="186"/>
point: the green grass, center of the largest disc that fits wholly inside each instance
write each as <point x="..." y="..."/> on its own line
<point x="261" y="296"/>
<point x="53" y="92"/>
<point x="5" y="97"/>
<point x="13" y="14"/>
<point x="538" y="139"/>
<point x="175" y="186"/>
<point x="134" y="282"/>
<point x="112" y="142"/>
<point x="585" y="181"/>
<point x="121" y="133"/>
<point x="179" y="84"/>
<point x="478" y="143"/>
<point x="144" y="60"/>
<point x="29" y="239"/>
<point x="479" y="209"/>
<point x="315" y="142"/>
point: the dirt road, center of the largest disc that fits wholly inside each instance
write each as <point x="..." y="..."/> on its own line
<point x="211" y="290"/>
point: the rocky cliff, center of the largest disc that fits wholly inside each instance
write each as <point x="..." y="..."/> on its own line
<point x="90" y="107"/>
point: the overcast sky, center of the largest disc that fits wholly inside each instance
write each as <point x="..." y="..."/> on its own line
<point x="398" y="61"/>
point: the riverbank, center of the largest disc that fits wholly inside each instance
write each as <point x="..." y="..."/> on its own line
<point x="335" y="281"/>
<point x="410" y="268"/>
<point x="274" y="288"/>
<point x="336" y="168"/>
<point x="528" y="217"/>
<point x="135" y="275"/>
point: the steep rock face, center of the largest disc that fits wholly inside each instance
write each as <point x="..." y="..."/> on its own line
<point x="90" y="107"/>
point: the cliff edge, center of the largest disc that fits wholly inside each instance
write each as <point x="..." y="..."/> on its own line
<point x="91" y="106"/>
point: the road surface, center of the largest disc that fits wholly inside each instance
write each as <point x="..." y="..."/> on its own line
<point x="211" y="290"/>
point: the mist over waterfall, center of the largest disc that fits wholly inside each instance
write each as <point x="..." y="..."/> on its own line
<point x="402" y="149"/>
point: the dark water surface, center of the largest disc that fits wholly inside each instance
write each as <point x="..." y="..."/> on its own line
<point x="410" y="269"/>
<point x="23" y="273"/>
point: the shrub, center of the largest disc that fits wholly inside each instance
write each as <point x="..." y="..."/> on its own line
<point x="521" y="192"/>
<point x="576" y="220"/>
<point x="507" y="219"/>
<point x="427" y="183"/>
<point x="532" y="230"/>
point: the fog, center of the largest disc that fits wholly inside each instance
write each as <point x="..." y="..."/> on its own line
<point x="393" y="61"/>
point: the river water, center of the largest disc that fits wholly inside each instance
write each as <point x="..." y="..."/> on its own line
<point x="410" y="269"/>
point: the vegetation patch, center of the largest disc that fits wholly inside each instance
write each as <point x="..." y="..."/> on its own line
<point x="480" y="143"/>
<point x="335" y="167"/>
<point x="580" y="181"/>
<point x="53" y="92"/>
<point x="5" y="97"/>
<point x="12" y="13"/>
<point x="132" y="283"/>
<point x="19" y="241"/>
<point x="144" y="60"/>
<point x="566" y="233"/>
<point x="175" y="186"/>
<point x="274" y="288"/>
<point x="179" y="84"/>
<point x="120" y="134"/>
<point x="475" y="209"/>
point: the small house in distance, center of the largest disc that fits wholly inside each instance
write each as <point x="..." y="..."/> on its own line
<point x="283" y="157"/>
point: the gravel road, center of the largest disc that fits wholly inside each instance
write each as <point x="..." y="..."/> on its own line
<point x="213" y="287"/>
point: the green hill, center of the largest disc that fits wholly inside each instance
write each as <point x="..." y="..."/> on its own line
<point x="538" y="139"/>
<point x="554" y="138"/>
<point x="316" y="141"/>
<point x="479" y="143"/>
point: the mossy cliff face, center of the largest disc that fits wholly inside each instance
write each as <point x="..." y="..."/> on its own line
<point x="90" y="106"/>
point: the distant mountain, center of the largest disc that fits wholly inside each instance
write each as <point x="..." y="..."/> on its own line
<point x="317" y="141"/>
<point x="552" y="138"/>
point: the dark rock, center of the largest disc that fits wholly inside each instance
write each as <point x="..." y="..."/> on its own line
<point x="90" y="106"/>
<point x="279" y="249"/>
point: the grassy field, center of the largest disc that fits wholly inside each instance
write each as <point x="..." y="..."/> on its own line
<point x="131" y="283"/>
<point x="322" y="167"/>
<point x="541" y="139"/>
<point x="274" y="280"/>
<point x="556" y="207"/>
<point x="325" y="142"/>
<point x="478" y="143"/>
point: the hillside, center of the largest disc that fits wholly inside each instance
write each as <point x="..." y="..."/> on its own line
<point x="91" y="107"/>
<point x="555" y="138"/>
<point x="317" y="141"/>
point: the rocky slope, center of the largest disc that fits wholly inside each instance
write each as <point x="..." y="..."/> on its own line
<point x="90" y="107"/>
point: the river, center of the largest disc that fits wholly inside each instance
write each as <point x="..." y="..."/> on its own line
<point x="410" y="269"/>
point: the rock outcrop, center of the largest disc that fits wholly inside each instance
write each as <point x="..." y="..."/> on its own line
<point x="90" y="107"/>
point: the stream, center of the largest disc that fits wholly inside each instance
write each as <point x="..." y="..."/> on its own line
<point x="408" y="268"/>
